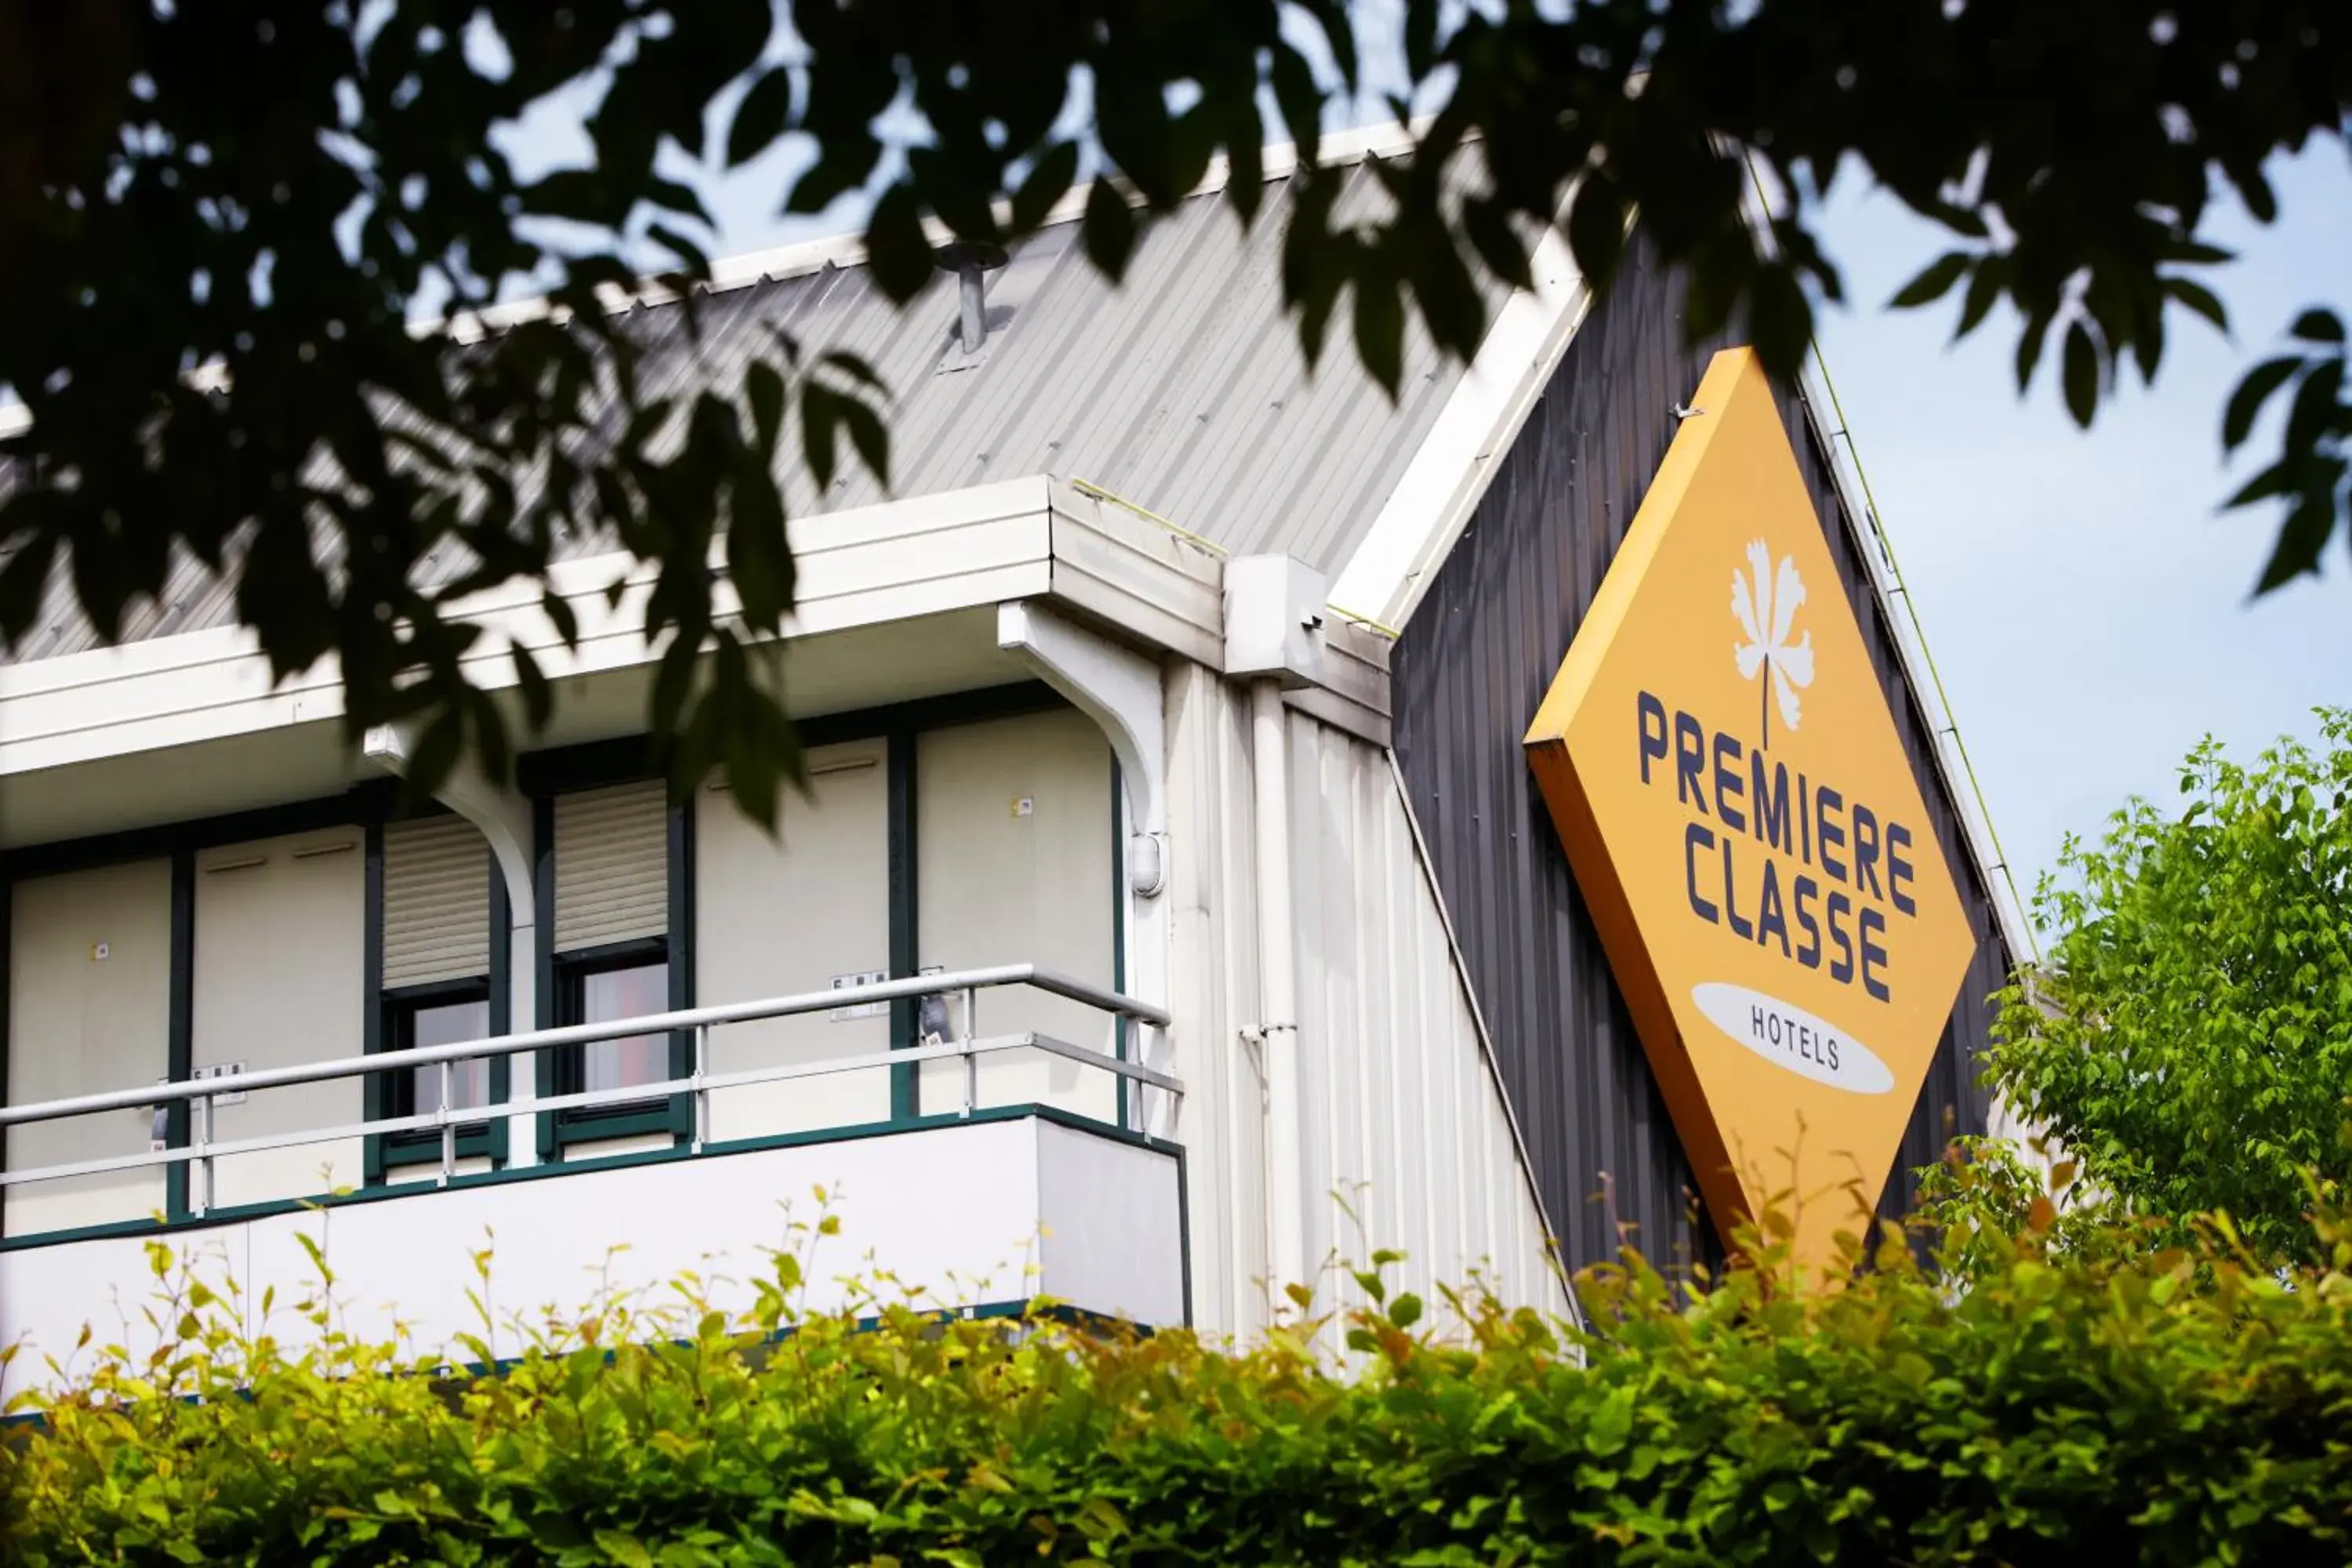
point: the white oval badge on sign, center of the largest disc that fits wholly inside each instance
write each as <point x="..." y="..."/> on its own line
<point x="1791" y="1038"/>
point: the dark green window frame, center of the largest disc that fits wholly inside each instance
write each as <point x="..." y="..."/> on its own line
<point x="385" y="1153"/>
<point x="566" y="1071"/>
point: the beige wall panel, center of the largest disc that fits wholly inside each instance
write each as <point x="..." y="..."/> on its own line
<point x="783" y="915"/>
<point x="429" y="1176"/>
<point x="611" y="1148"/>
<point x="80" y="1024"/>
<point x="1002" y="883"/>
<point x="278" y="981"/>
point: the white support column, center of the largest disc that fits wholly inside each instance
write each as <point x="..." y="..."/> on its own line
<point x="1286" y="1180"/>
<point x="503" y="816"/>
<point x="1119" y="690"/>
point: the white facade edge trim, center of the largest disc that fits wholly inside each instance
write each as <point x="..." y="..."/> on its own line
<point x="959" y="550"/>
<point x="1383" y="582"/>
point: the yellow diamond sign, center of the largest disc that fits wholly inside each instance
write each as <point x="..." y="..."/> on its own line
<point x="1719" y="758"/>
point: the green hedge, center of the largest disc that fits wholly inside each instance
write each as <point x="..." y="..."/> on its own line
<point x="2092" y="1406"/>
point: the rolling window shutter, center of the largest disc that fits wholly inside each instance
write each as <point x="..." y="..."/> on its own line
<point x="612" y="866"/>
<point x="437" y="901"/>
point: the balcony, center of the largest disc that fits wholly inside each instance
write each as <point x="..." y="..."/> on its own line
<point x="982" y="1205"/>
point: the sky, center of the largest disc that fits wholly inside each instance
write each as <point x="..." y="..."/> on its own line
<point x="2087" y="607"/>
<point x="2086" y="602"/>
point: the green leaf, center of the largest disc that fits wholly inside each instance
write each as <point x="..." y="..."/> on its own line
<point x="1610" y="1424"/>
<point x="622" y="1548"/>
<point x="1406" y="1311"/>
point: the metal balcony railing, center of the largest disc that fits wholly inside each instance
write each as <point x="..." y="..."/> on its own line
<point x="202" y="1150"/>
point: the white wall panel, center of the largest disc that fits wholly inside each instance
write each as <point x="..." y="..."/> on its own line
<point x="279" y="970"/>
<point x="1013" y="848"/>
<point x="776" y="916"/>
<point x="90" y="975"/>
<point x="1407" y="1141"/>
<point x="1409" y="1136"/>
<point x="1091" y="1189"/>
<point x="1213" y="993"/>
<point x="957" y="1211"/>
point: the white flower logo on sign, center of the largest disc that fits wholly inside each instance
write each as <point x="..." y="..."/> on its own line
<point x="1766" y="609"/>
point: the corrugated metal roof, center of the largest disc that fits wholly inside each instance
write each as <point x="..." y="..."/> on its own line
<point x="1183" y="390"/>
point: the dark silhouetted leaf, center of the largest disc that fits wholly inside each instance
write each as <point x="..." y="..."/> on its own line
<point x="1934" y="282"/>
<point x="2029" y="348"/>
<point x="1596" y="230"/>
<point x="1489" y="232"/>
<point x="1380" y="332"/>
<point x="1985" y="285"/>
<point x="2081" y="374"/>
<point x="2200" y="298"/>
<point x="2316" y="326"/>
<point x="763" y="388"/>
<point x="537" y="701"/>
<point x="1109" y="229"/>
<point x="2301" y="538"/>
<point x="761" y="117"/>
<point x="1049" y="182"/>
<point x="2246" y="402"/>
<point x="896" y="246"/>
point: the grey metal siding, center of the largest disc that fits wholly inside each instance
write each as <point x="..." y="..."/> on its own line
<point x="1474" y="662"/>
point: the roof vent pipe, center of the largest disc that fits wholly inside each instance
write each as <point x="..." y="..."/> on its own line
<point x="972" y="261"/>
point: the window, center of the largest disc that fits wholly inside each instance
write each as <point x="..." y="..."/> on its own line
<point x="602" y="993"/>
<point x="607" y="985"/>
<point x="611" y="958"/>
<point x="434" y="962"/>
<point x="437" y="1016"/>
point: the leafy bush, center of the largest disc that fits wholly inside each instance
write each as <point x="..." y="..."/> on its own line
<point x="2079" y="1404"/>
<point x="2191" y="1037"/>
